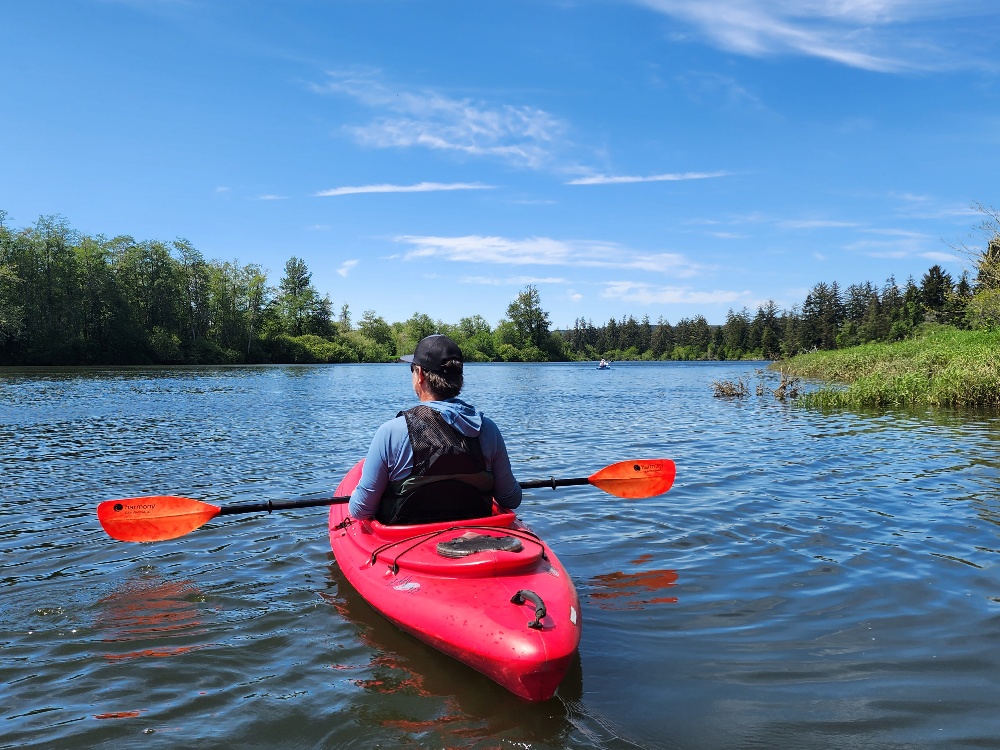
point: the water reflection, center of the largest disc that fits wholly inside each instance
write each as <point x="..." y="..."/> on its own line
<point x="147" y="611"/>
<point x="620" y="590"/>
<point x="464" y="706"/>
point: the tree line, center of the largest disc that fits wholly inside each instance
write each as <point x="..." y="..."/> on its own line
<point x="72" y="299"/>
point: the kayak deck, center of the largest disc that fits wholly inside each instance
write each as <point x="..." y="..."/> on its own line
<point x="507" y="608"/>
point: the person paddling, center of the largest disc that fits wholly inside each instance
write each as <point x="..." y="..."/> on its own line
<point x="441" y="460"/>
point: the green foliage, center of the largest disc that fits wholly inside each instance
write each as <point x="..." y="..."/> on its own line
<point x="983" y="311"/>
<point x="366" y="349"/>
<point x="409" y="332"/>
<point x="374" y="328"/>
<point x="166" y="346"/>
<point x="308" y="349"/>
<point x="71" y="299"/>
<point x="940" y="366"/>
<point x="530" y="322"/>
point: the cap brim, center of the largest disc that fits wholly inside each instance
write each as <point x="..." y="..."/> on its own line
<point x="407" y="358"/>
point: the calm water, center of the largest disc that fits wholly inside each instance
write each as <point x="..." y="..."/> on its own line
<point x="812" y="580"/>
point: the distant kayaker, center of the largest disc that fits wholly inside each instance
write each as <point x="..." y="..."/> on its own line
<point x="441" y="460"/>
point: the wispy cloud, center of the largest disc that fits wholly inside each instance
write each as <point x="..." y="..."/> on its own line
<point x="720" y="90"/>
<point x="916" y="206"/>
<point x="648" y="294"/>
<point x="346" y="267"/>
<point x="816" y="224"/>
<point x="877" y="35"/>
<point x="512" y="280"/>
<point x="940" y="257"/>
<point x="546" y="251"/>
<point x="896" y="248"/>
<point x="268" y="197"/>
<point x="601" y="179"/>
<point x="518" y="134"/>
<point x="421" y="187"/>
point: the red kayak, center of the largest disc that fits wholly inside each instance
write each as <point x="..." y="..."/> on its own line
<point x="486" y="591"/>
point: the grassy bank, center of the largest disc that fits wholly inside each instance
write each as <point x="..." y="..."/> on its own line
<point x="942" y="366"/>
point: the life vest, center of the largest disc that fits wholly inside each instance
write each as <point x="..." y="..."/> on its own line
<point x="449" y="481"/>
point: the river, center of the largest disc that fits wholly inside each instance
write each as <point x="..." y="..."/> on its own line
<point x="820" y="580"/>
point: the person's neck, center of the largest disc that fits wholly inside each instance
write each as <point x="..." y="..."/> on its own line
<point x="424" y="393"/>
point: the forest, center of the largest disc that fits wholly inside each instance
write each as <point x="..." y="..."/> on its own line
<point x="71" y="299"/>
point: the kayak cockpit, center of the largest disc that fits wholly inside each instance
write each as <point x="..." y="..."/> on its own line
<point x="494" y="545"/>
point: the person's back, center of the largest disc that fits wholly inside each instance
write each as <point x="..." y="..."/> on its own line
<point x="441" y="460"/>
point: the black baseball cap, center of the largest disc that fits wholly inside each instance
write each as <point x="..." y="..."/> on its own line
<point x="433" y="352"/>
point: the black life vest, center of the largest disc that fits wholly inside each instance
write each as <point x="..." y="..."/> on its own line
<point x="449" y="481"/>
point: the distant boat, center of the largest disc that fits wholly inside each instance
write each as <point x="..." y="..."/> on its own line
<point x="604" y="365"/>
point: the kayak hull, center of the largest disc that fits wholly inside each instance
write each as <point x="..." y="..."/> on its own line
<point x="514" y="616"/>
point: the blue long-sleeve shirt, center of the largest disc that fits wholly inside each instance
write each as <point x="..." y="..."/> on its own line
<point x="390" y="457"/>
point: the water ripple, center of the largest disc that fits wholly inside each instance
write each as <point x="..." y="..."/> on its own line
<point x="812" y="580"/>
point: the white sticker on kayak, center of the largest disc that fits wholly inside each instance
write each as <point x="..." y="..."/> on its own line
<point x="572" y="615"/>
<point x="408" y="586"/>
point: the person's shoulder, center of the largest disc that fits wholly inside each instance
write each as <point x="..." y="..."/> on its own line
<point x="391" y="425"/>
<point x="488" y="424"/>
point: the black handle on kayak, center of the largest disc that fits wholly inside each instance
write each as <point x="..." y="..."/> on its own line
<point x="528" y="595"/>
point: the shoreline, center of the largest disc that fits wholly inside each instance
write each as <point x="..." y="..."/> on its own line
<point x="939" y="366"/>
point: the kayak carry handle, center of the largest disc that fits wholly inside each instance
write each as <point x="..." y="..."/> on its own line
<point x="528" y="595"/>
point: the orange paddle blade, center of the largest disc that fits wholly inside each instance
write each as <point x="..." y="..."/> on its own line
<point x="632" y="479"/>
<point x="153" y="519"/>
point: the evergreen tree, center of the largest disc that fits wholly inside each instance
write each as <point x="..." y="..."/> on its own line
<point x="662" y="341"/>
<point x="528" y="318"/>
<point x="935" y="288"/>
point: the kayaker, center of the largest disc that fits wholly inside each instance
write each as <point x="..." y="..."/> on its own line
<point x="442" y="460"/>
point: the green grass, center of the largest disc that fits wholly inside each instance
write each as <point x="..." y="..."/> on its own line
<point x="941" y="366"/>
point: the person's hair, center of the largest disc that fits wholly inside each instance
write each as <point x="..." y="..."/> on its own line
<point x="447" y="383"/>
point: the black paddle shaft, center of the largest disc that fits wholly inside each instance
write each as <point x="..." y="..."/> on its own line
<point x="553" y="483"/>
<point x="266" y="506"/>
<point x="269" y="505"/>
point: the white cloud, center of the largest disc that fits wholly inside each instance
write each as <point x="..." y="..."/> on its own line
<point x="271" y="198"/>
<point x="647" y="294"/>
<point x="896" y="248"/>
<point x="942" y="257"/>
<point x="546" y="251"/>
<point x="621" y="179"/>
<point x="519" y="134"/>
<point x="905" y="233"/>
<point x="876" y="35"/>
<point x="511" y="280"/>
<point x="421" y="187"/>
<point x="346" y="267"/>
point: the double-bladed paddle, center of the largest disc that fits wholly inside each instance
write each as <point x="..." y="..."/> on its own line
<point x="154" y="519"/>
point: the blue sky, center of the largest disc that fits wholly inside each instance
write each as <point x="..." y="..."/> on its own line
<point x="627" y="157"/>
